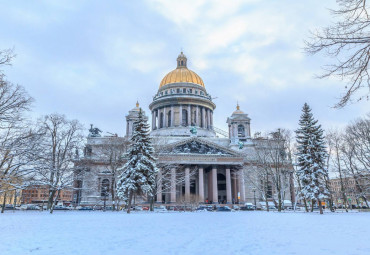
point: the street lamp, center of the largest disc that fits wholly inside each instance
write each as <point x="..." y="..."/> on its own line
<point x="105" y="199"/>
<point x="254" y="195"/>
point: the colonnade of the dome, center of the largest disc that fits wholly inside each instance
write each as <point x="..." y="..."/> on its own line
<point x="182" y="115"/>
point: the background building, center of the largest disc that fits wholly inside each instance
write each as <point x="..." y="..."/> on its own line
<point x="38" y="194"/>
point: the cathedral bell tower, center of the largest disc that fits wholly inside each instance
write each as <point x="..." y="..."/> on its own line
<point x="131" y="117"/>
<point x="239" y="126"/>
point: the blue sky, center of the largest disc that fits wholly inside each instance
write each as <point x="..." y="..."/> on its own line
<point x="91" y="60"/>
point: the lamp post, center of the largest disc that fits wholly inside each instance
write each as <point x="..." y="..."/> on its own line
<point x="254" y="195"/>
<point x="105" y="199"/>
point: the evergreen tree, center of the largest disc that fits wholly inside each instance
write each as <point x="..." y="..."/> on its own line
<point x="138" y="175"/>
<point x="311" y="158"/>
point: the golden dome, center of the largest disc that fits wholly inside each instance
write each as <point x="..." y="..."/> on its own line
<point x="181" y="74"/>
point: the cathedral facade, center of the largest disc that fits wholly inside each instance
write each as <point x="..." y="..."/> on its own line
<point x="198" y="162"/>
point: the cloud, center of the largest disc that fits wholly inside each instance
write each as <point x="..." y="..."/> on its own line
<point x="92" y="60"/>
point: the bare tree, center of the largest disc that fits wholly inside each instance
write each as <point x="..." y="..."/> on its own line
<point x="276" y="165"/>
<point x="356" y="156"/>
<point x="56" y="154"/>
<point x="347" y="41"/>
<point x="336" y="143"/>
<point x="113" y="151"/>
<point x="16" y="140"/>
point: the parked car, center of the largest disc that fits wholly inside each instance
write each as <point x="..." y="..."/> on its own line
<point x="236" y="207"/>
<point x="223" y="209"/>
<point x="8" y="207"/>
<point x="204" y="208"/>
<point x="60" y="207"/>
<point x="23" y="207"/>
<point x="248" y="207"/>
<point x="175" y="208"/>
<point x="137" y="208"/>
<point x="70" y="207"/>
<point x="161" y="208"/>
<point x="33" y="207"/>
<point x="108" y="208"/>
<point x="86" y="208"/>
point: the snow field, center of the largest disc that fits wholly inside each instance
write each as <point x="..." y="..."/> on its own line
<point x="76" y="232"/>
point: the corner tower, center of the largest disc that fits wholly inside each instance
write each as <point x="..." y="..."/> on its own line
<point x="181" y="103"/>
<point x="131" y="117"/>
<point x="239" y="126"/>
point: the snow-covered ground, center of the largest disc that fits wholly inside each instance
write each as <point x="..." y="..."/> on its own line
<point x="92" y="233"/>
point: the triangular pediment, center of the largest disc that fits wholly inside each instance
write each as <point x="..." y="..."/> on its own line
<point x="198" y="146"/>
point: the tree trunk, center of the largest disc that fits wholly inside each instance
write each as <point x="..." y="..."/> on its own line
<point x="55" y="202"/>
<point x="320" y="207"/>
<point x="129" y="202"/>
<point x="305" y="204"/>
<point x="152" y="203"/>
<point x="327" y="183"/>
<point x="113" y="194"/>
<point x="15" y="199"/>
<point x="365" y="200"/>
<point x="312" y="204"/>
<point x="51" y="199"/>
<point x="4" y="202"/>
<point x="279" y="201"/>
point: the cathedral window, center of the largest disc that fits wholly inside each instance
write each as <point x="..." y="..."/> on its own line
<point x="194" y="122"/>
<point x="241" y="131"/>
<point x="161" y="120"/>
<point x="166" y="92"/>
<point x="104" y="188"/>
<point x="178" y="91"/>
<point x="196" y="92"/>
<point x="184" y="118"/>
<point x="190" y="91"/>
<point x="88" y="151"/>
<point x="183" y="90"/>
<point x="169" y="118"/>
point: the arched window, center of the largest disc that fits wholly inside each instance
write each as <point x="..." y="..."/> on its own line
<point x="194" y="119"/>
<point x="201" y="118"/>
<point x="104" y="188"/>
<point x="161" y="120"/>
<point x="184" y="118"/>
<point x="169" y="118"/>
<point x="241" y="131"/>
<point x="182" y="63"/>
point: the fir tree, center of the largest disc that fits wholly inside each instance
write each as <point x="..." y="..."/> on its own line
<point x="311" y="158"/>
<point x="138" y="175"/>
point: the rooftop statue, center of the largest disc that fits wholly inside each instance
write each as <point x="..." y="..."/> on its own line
<point x="193" y="130"/>
<point x="94" y="132"/>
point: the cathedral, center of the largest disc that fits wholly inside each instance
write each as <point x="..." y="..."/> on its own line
<point x="198" y="162"/>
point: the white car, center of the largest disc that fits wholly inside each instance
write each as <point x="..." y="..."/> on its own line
<point x="23" y="207"/>
<point x="161" y="208"/>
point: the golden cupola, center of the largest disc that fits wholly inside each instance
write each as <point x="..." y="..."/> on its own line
<point x="182" y="74"/>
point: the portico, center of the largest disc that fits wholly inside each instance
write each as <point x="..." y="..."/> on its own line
<point x="198" y="171"/>
<point x="190" y="184"/>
